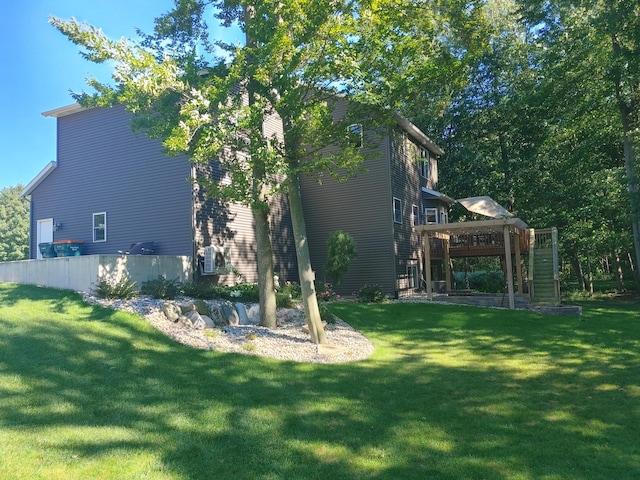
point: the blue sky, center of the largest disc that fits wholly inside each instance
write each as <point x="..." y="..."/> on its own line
<point x="39" y="66"/>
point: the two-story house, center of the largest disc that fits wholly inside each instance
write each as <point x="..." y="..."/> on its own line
<point x="110" y="187"/>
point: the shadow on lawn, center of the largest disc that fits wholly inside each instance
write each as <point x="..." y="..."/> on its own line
<point x="450" y="393"/>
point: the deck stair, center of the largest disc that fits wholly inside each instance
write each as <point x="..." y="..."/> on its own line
<point x="543" y="266"/>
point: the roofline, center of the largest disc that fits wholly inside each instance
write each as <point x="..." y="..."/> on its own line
<point x="64" y="111"/>
<point x="417" y="133"/>
<point x="44" y="173"/>
<point x="440" y="195"/>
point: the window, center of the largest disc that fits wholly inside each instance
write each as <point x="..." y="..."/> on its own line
<point x="397" y="210"/>
<point x="100" y="227"/>
<point x="424" y="162"/>
<point x="355" y="130"/>
<point x="415" y="215"/>
<point x="431" y="215"/>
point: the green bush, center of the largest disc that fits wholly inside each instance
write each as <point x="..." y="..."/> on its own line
<point x="292" y="289"/>
<point x="324" y="292"/>
<point x="124" y="288"/>
<point x="491" y="281"/>
<point x="371" y="294"/>
<point x="161" y="288"/>
<point x="283" y="300"/>
<point x="325" y="313"/>
<point x="341" y="250"/>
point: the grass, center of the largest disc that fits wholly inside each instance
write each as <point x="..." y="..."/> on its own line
<point x="450" y="393"/>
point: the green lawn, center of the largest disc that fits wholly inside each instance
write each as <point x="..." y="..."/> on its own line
<point x="450" y="393"/>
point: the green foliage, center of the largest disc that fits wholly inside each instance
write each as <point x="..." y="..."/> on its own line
<point x="325" y="313"/>
<point x="120" y="288"/>
<point x="341" y="251"/>
<point x="292" y="289"/>
<point x="491" y="281"/>
<point x="324" y="291"/>
<point x="14" y="224"/>
<point x="161" y="287"/>
<point x="371" y="294"/>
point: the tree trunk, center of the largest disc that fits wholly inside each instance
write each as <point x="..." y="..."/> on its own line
<point x="266" y="290"/>
<point x="617" y="270"/>
<point x="577" y="269"/>
<point x="632" y="187"/>
<point x="307" y="276"/>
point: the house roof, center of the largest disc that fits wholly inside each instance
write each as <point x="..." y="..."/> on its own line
<point x="44" y="173"/>
<point x="64" y="111"/>
<point x="438" y="195"/>
<point x="417" y="134"/>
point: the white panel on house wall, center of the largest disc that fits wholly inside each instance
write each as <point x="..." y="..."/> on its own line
<point x="44" y="234"/>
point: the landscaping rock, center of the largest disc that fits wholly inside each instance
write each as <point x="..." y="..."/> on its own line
<point x="229" y="314"/>
<point x="196" y="320"/>
<point x="187" y="307"/>
<point x="202" y="308"/>
<point x="171" y="311"/>
<point x="243" y="316"/>
<point x="208" y="322"/>
<point x="254" y="314"/>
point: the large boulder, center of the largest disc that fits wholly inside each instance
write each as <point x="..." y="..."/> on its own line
<point x="171" y="311"/>
<point x="196" y="320"/>
<point x="243" y="315"/>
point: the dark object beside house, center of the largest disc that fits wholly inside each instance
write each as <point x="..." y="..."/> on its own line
<point x="46" y="250"/>
<point x="140" y="248"/>
<point x="68" y="248"/>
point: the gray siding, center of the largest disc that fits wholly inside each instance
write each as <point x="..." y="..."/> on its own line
<point x="104" y="167"/>
<point x="361" y="207"/>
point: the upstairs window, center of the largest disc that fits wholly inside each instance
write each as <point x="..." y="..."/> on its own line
<point x="100" y="227"/>
<point x="415" y="215"/>
<point x="397" y="210"/>
<point x="424" y="162"/>
<point x="356" y="133"/>
<point x="430" y="215"/>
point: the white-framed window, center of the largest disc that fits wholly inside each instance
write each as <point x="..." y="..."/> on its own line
<point x="430" y="215"/>
<point x="100" y="227"/>
<point x="425" y="158"/>
<point x="397" y="210"/>
<point x="357" y="135"/>
<point x="415" y="215"/>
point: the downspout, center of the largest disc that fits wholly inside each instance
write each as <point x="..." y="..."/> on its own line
<point x="394" y="278"/>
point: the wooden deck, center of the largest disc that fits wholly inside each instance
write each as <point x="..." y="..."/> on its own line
<point x="476" y="245"/>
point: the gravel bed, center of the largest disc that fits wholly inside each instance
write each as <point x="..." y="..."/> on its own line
<point x="286" y="342"/>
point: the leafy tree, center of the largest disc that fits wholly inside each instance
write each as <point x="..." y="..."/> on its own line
<point x="341" y="251"/>
<point x="14" y="224"/>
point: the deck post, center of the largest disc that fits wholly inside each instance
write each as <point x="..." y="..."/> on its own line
<point x="447" y="266"/>
<point x="516" y="242"/>
<point x="427" y="265"/>
<point x="509" y="265"/>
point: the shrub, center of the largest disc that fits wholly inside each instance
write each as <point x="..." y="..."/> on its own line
<point x="370" y="294"/>
<point x="283" y="300"/>
<point x="341" y="250"/>
<point x="161" y="288"/>
<point x="490" y="281"/>
<point x="324" y="292"/>
<point x="325" y="313"/>
<point x="292" y="289"/>
<point x="123" y="288"/>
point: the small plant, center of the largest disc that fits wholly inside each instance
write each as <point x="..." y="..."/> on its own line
<point x="325" y="314"/>
<point x="283" y="300"/>
<point x="123" y="288"/>
<point x="161" y="288"/>
<point x="211" y="334"/>
<point x="324" y="292"/>
<point x="341" y="250"/>
<point x="251" y="336"/>
<point x="249" y="347"/>
<point x="292" y="289"/>
<point x="370" y="294"/>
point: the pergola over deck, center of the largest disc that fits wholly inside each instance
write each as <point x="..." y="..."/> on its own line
<point x="509" y="228"/>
